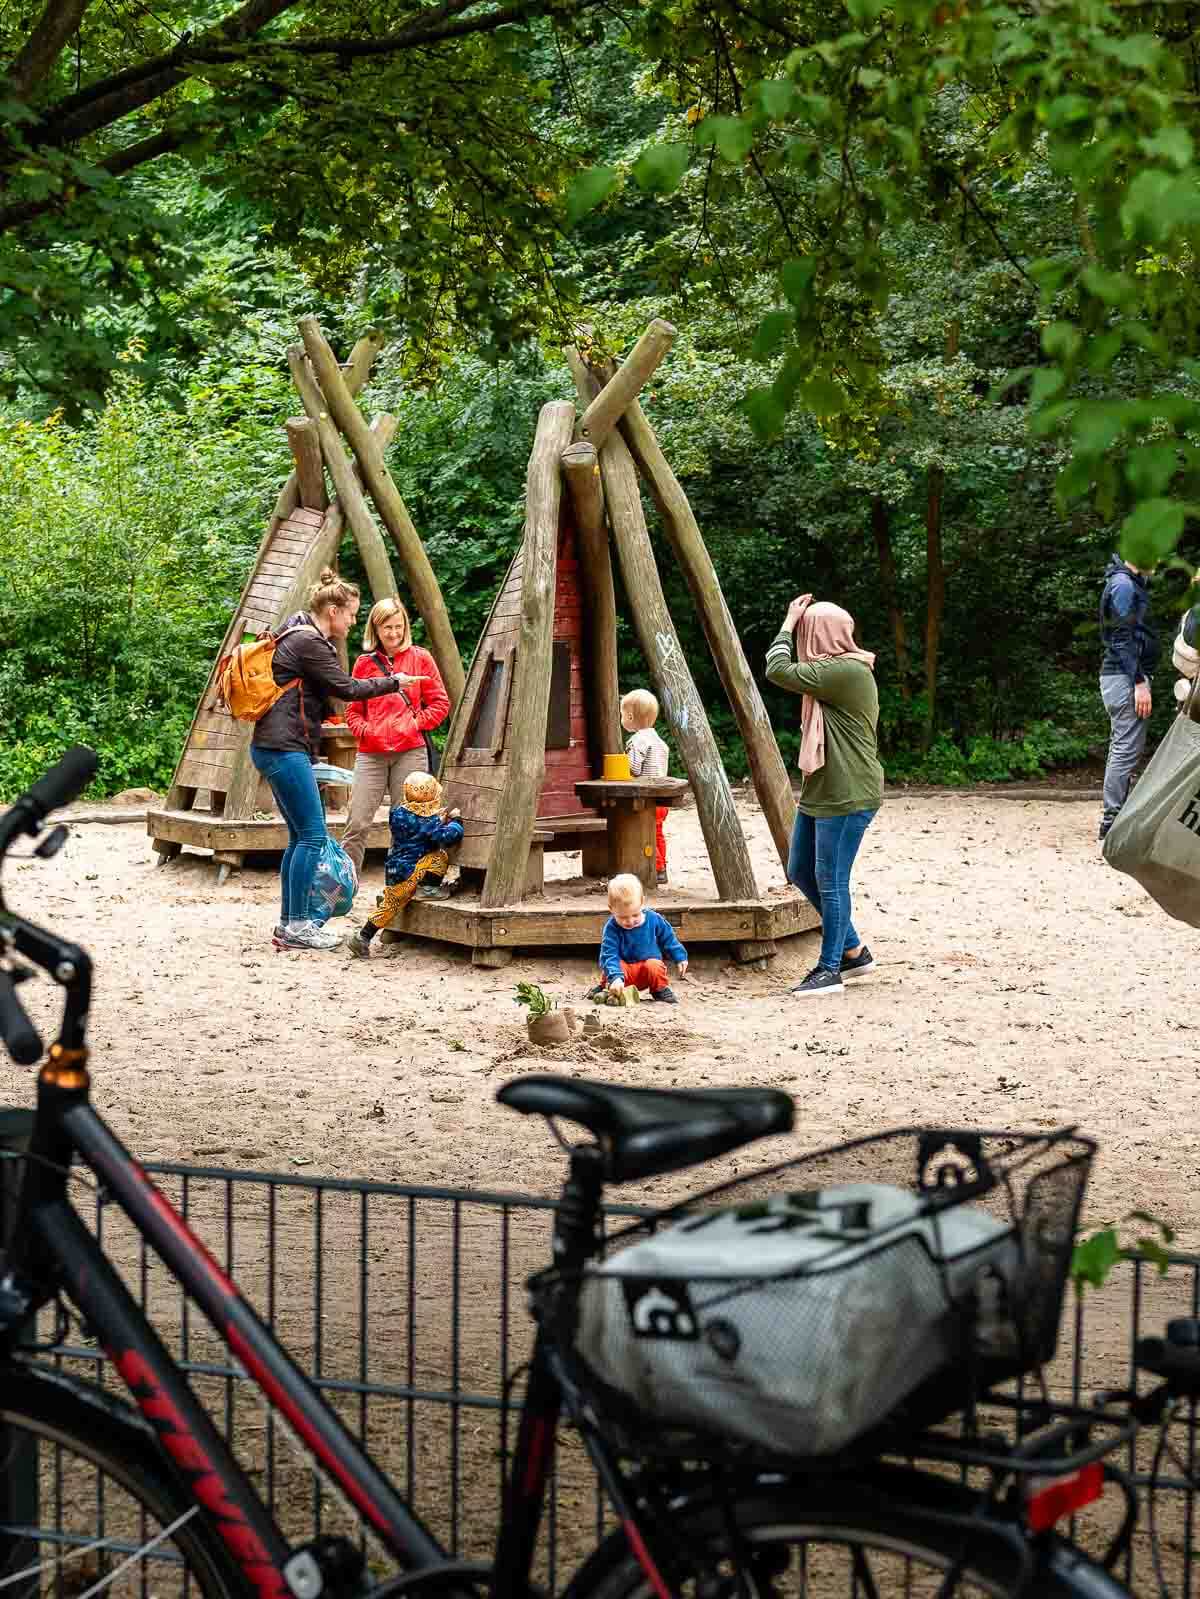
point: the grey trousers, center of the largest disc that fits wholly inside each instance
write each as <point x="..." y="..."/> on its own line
<point x="1126" y="741"/>
<point x="375" y="776"/>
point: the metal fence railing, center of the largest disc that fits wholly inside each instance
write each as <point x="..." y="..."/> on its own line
<point x="406" y="1307"/>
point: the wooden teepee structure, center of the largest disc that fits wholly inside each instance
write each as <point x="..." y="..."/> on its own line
<point x="540" y="708"/>
<point x="217" y="800"/>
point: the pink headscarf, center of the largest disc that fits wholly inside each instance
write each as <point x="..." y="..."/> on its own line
<point x="824" y="633"/>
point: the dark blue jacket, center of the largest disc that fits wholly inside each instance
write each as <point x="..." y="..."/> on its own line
<point x="1129" y="636"/>
<point x="414" y="836"/>
<point x="654" y="940"/>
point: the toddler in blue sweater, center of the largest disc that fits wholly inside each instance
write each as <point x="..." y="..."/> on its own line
<point x="637" y="944"/>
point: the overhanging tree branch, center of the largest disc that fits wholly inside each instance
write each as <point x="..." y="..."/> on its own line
<point x="42" y="48"/>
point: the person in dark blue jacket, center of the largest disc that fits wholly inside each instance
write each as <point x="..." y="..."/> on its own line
<point x="1130" y="655"/>
<point x="636" y="944"/>
<point x="421" y="840"/>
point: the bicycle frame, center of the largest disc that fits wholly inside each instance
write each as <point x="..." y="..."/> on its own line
<point x="52" y="1249"/>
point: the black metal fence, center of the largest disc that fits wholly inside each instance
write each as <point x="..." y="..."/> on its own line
<point x="405" y="1305"/>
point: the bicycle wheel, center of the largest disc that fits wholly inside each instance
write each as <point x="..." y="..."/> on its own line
<point x="87" y="1507"/>
<point x="835" y="1540"/>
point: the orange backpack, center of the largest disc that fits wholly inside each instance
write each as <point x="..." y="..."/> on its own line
<point x="245" y="684"/>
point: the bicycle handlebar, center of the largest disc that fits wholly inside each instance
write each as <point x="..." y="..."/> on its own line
<point x="68" y="964"/>
<point x="59" y="786"/>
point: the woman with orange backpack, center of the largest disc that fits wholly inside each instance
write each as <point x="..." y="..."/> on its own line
<point x="287" y="741"/>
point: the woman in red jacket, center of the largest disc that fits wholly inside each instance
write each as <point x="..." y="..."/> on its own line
<point x="391" y="729"/>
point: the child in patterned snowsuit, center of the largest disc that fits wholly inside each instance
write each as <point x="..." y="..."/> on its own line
<point x="421" y="839"/>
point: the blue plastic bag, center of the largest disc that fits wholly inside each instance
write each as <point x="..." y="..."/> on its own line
<point x="334" y="885"/>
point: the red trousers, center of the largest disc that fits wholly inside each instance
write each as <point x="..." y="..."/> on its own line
<point x="660" y="842"/>
<point x="645" y="974"/>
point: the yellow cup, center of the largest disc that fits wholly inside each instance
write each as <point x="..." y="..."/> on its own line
<point x="616" y="769"/>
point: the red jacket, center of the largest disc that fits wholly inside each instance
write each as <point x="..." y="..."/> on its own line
<point x="385" y="725"/>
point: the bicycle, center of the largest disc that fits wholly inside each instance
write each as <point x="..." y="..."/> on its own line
<point x="697" y="1514"/>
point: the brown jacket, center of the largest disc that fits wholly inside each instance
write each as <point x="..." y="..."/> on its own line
<point x="294" y="721"/>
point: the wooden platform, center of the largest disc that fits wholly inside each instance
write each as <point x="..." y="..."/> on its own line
<point x="493" y="935"/>
<point x="205" y="830"/>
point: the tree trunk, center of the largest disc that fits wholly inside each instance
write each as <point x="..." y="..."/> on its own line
<point x="581" y="468"/>
<point x="881" y="527"/>
<point x="935" y="566"/>
<point x="935" y="603"/>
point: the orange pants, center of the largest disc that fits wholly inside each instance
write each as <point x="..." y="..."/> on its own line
<point x="644" y="974"/>
<point x="660" y="842"/>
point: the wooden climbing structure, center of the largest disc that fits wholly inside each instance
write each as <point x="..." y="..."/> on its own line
<point x="217" y="800"/>
<point x="540" y="711"/>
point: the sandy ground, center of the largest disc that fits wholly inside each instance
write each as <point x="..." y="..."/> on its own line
<point x="1020" y="982"/>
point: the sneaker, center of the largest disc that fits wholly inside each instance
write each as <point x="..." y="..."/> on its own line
<point x="857" y="965"/>
<point x="819" y="981"/>
<point x="665" y="996"/>
<point x="358" y="946"/>
<point x="432" y="891"/>
<point x="1105" y="827"/>
<point x="307" y="935"/>
<point x="660" y="878"/>
<point x="598" y="992"/>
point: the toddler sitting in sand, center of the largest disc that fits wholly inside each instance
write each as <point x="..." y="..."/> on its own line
<point x="636" y="945"/>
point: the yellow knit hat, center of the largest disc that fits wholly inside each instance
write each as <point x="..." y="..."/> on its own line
<point x="422" y="793"/>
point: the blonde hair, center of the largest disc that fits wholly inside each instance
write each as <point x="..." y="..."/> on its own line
<point x="330" y="590"/>
<point x="625" y="889"/>
<point x="383" y="611"/>
<point x="641" y="709"/>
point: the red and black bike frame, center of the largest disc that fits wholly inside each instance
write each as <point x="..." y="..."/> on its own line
<point x="53" y="1251"/>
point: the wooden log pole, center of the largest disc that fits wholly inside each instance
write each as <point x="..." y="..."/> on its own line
<point x="604" y="412"/>
<point x="581" y="468"/>
<point x="427" y="595"/>
<point x="677" y="693"/>
<point x="243" y="780"/>
<point x="529" y="703"/>
<point x="767" y="769"/>
<point x="310" y="470"/>
<point x="346" y="481"/>
<point x="358" y="368"/>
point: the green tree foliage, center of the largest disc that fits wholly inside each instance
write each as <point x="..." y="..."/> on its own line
<point x="394" y="149"/>
<point x="845" y="131"/>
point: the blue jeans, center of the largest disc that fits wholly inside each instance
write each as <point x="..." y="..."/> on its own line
<point x="819" y="864"/>
<point x="290" y="774"/>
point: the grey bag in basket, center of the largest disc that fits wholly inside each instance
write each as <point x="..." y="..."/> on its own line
<point x="1156" y="836"/>
<point x="796" y="1323"/>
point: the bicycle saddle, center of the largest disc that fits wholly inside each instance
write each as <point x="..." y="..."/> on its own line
<point x="645" y="1132"/>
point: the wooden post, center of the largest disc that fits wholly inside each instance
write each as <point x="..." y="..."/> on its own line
<point x="767" y="768"/>
<point x="306" y="452"/>
<point x="427" y="596"/>
<point x="602" y="415"/>
<point x="680" y="701"/>
<point x="530" y="700"/>
<point x="243" y="781"/>
<point x="358" y="368"/>
<point x="581" y="467"/>
<point x="349" y="489"/>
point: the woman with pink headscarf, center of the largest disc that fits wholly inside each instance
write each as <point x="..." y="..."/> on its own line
<point x="815" y="655"/>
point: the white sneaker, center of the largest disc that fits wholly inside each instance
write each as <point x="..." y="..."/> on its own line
<point x="307" y="935"/>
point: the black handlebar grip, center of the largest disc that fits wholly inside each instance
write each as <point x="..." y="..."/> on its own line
<point x="21" y="1037"/>
<point x="62" y="783"/>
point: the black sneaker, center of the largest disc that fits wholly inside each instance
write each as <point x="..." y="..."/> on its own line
<point x="858" y="965"/>
<point x="665" y="996"/>
<point x="1105" y="827"/>
<point x="819" y="981"/>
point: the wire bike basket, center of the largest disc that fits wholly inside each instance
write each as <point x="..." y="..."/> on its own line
<point x="794" y="1312"/>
